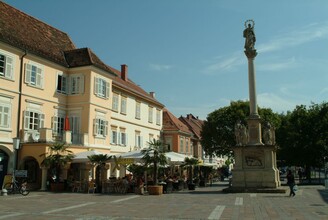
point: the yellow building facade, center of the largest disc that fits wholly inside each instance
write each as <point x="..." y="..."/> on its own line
<point x="53" y="92"/>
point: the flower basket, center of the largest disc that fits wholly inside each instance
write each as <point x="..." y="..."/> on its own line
<point x="155" y="190"/>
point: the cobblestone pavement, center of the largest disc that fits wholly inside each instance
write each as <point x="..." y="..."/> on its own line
<point x="311" y="202"/>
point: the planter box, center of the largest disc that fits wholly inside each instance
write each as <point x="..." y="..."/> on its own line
<point x="155" y="190"/>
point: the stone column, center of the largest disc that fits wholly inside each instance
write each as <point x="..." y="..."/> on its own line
<point x="64" y="170"/>
<point x="254" y="125"/>
<point x="44" y="175"/>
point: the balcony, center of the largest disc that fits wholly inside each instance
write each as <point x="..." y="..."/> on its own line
<point x="45" y="135"/>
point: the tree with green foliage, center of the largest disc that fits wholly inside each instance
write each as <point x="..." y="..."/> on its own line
<point x="218" y="135"/>
<point x="190" y="163"/>
<point x="99" y="160"/>
<point x="57" y="157"/>
<point x="154" y="156"/>
<point x="303" y="136"/>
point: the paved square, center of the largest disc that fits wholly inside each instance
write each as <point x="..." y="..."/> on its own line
<point x="311" y="202"/>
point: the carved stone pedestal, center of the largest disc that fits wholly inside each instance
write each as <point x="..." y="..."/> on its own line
<point x="255" y="170"/>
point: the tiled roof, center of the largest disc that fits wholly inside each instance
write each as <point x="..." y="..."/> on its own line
<point x="131" y="86"/>
<point x="27" y="33"/>
<point x="172" y="123"/>
<point x="194" y="124"/>
<point x="84" y="57"/>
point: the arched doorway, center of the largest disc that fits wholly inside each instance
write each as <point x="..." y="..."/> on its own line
<point x="4" y="158"/>
<point x="33" y="172"/>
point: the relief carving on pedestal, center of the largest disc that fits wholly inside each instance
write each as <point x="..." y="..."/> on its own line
<point x="253" y="161"/>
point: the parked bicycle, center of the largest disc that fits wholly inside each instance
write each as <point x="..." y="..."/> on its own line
<point x="15" y="187"/>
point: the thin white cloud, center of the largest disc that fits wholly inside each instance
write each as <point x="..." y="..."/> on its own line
<point x="296" y="37"/>
<point x="275" y="102"/>
<point x="289" y="39"/>
<point x="159" y="67"/>
<point x="285" y="64"/>
<point x="224" y="64"/>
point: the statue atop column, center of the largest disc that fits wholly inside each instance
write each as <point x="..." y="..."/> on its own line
<point x="249" y="34"/>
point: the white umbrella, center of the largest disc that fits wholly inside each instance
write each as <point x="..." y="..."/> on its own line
<point x="176" y="157"/>
<point x="83" y="156"/>
<point x="137" y="155"/>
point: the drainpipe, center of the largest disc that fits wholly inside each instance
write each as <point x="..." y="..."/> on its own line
<point x="19" y="104"/>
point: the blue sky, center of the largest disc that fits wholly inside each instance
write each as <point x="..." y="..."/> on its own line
<point x="190" y="52"/>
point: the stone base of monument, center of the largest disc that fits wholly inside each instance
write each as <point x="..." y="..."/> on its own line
<point x="255" y="170"/>
<point x="254" y="190"/>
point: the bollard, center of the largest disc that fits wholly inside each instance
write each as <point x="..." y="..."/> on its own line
<point x="4" y="192"/>
<point x="326" y="183"/>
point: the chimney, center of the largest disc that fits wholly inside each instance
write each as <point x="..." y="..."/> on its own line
<point x="152" y="94"/>
<point x="124" y="72"/>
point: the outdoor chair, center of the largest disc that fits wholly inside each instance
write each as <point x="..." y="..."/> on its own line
<point x="169" y="187"/>
<point x="91" y="187"/>
<point x="76" y="186"/>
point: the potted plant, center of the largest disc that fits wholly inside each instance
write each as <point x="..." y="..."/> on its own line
<point x="138" y="171"/>
<point x="57" y="158"/>
<point x="100" y="161"/>
<point x="190" y="163"/>
<point x="154" y="155"/>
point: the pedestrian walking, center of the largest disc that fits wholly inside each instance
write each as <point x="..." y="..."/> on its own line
<point x="291" y="182"/>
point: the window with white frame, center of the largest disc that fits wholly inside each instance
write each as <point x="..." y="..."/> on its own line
<point x="115" y="102"/>
<point x="113" y="136"/>
<point x="101" y="87"/>
<point x="138" y="109"/>
<point x="34" y="75"/>
<point x="138" y="140"/>
<point x="58" y="125"/>
<point x="5" y="115"/>
<point x="123" y="104"/>
<point x="150" y="114"/>
<point x="33" y="120"/>
<point x="6" y="65"/>
<point x="62" y="83"/>
<point x="100" y="127"/>
<point x="158" y="117"/>
<point x="123" y="138"/>
<point x="76" y="83"/>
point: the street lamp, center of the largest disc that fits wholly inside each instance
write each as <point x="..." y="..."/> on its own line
<point x="16" y="142"/>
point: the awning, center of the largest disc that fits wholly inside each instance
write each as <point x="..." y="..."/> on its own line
<point x="83" y="156"/>
<point x="173" y="157"/>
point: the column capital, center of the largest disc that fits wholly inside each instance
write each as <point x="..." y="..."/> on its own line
<point x="251" y="54"/>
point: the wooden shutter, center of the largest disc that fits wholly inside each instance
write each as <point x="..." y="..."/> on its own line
<point x="96" y="85"/>
<point x="107" y="90"/>
<point x="9" y="67"/>
<point x="28" y="70"/>
<point x="26" y="120"/>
